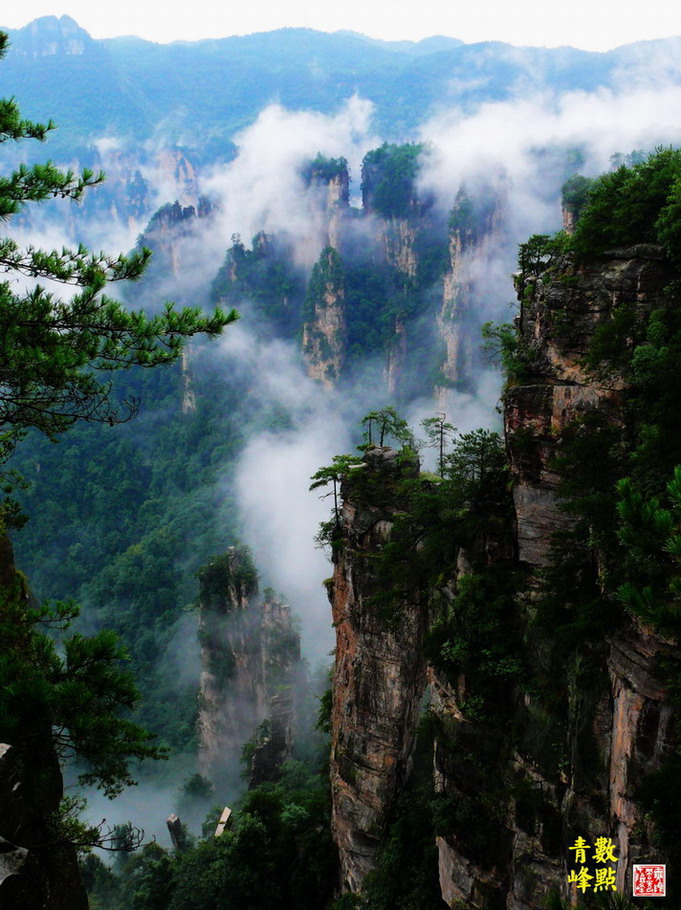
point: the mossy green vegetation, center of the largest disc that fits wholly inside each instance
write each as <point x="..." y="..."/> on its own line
<point x="323" y="169"/>
<point x="389" y="179"/>
<point x="264" y="277"/>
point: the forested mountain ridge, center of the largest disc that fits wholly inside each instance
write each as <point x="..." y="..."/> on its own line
<point x="213" y="88"/>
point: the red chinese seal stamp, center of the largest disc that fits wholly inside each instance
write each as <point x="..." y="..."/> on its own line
<point x="649" y="880"/>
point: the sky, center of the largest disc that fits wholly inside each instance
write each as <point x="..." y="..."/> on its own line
<point x="589" y="24"/>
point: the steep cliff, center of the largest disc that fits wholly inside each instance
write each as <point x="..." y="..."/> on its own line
<point x="165" y="232"/>
<point x="250" y="655"/>
<point x="328" y="183"/>
<point x="597" y="720"/>
<point x="552" y="706"/>
<point x="378" y="677"/>
<point x="324" y="328"/>
<point x="475" y="227"/>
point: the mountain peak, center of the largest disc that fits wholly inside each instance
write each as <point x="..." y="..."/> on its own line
<point x="51" y="36"/>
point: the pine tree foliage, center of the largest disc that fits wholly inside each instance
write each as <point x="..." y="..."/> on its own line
<point x="73" y="697"/>
<point x="53" y="349"/>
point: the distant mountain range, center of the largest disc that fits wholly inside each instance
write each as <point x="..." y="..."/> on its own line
<point x="199" y="94"/>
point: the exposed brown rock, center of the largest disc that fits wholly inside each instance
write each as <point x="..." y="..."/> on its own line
<point x="621" y="725"/>
<point x="379" y="671"/>
<point x="324" y="334"/>
<point x="471" y="241"/>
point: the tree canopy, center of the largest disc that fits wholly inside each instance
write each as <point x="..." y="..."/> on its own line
<point x="637" y="204"/>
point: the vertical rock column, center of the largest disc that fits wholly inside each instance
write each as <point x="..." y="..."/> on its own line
<point x="379" y="672"/>
<point x="324" y="331"/>
<point x="250" y="656"/>
<point x="475" y="230"/>
<point x="233" y="699"/>
<point x="627" y="729"/>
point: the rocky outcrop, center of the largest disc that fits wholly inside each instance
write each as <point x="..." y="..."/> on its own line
<point x="398" y="239"/>
<point x="475" y="228"/>
<point x="557" y="322"/>
<point x="379" y="668"/>
<point x="569" y="219"/>
<point x="250" y="655"/>
<point x="567" y="753"/>
<point x="168" y="227"/>
<point x="573" y="771"/>
<point x="324" y="329"/>
<point x="643" y="735"/>
<point x="329" y="187"/>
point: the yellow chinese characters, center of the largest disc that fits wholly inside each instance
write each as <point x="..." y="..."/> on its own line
<point x="604" y="848"/>
<point x="580" y="847"/>
<point x="604" y="878"/>
<point x="582" y="878"/>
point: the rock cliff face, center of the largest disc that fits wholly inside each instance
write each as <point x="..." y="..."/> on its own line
<point x="473" y="232"/>
<point x="378" y="676"/>
<point x="330" y="194"/>
<point x="164" y="233"/>
<point x="250" y="656"/>
<point x="565" y="761"/>
<point x="397" y="242"/>
<point x="324" y="330"/>
<point x="618" y="724"/>
<point x="557" y="322"/>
